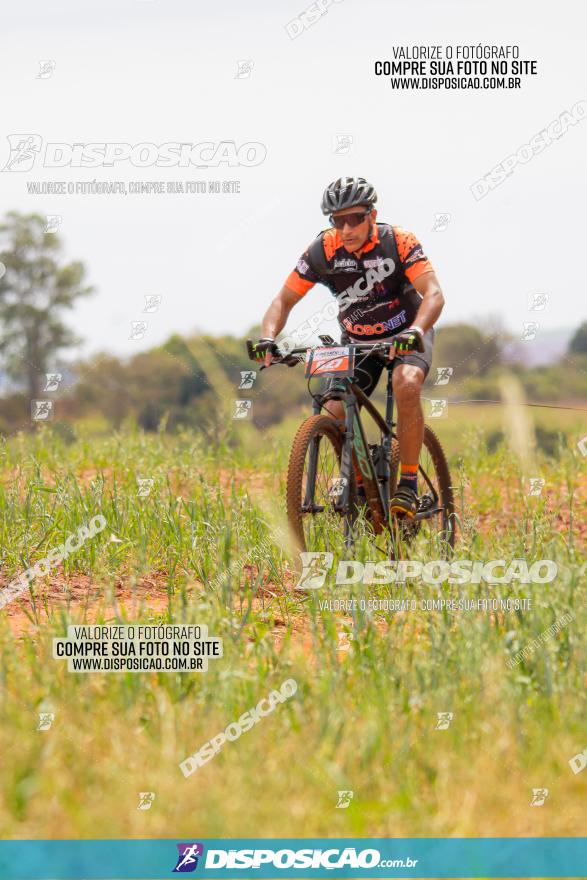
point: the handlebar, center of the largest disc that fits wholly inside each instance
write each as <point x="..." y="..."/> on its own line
<point x="296" y="355"/>
<point x="280" y="357"/>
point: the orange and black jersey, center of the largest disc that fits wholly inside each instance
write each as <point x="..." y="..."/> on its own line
<point x="368" y="308"/>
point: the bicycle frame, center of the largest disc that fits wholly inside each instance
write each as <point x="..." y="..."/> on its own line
<point x="356" y="454"/>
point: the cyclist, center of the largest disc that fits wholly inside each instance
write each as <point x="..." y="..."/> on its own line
<point x="399" y="300"/>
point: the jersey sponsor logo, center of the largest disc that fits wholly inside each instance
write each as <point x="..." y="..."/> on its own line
<point x="345" y="265"/>
<point x="377" y="304"/>
<point x="371" y="264"/>
<point x="415" y="254"/>
<point x="375" y="329"/>
<point x="302" y="267"/>
<point x="363" y="286"/>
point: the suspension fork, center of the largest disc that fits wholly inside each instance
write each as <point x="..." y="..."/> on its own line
<point x="346" y="459"/>
<point x="360" y="460"/>
<point x="342" y="502"/>
<point x="387" y="441"/>
<point x="308" y="501"/>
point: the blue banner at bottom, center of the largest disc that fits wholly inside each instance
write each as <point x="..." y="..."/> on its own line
<point x="299" y="857"/>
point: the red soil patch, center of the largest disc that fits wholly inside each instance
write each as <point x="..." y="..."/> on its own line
<point x="91" y="600"/>
<point x="512" y="503"/>
<point x="80" y="592"/>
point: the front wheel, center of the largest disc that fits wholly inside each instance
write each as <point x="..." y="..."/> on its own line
<point x="315" y="483"/>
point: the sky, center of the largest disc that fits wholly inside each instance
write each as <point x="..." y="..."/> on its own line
<point x="148" y="71"/>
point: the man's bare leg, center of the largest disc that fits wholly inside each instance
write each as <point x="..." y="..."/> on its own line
<point x="407" y="387"/>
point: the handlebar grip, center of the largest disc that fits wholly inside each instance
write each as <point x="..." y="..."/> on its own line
<point x="250" y="350"/>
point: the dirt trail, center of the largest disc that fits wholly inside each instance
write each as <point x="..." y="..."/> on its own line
<point x="148" y="595"/>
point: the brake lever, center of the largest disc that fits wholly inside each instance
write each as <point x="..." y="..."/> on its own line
<point x="288" y="359"/>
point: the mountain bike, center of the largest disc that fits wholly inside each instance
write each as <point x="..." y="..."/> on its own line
<point x="337" y="480"/>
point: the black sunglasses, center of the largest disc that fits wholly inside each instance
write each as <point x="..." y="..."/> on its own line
<point x="352" y="220"/>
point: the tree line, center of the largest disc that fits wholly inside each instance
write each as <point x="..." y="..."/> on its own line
<point x="189" y="381"/>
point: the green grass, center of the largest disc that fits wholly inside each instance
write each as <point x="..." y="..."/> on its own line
<point x="210" y="534"/>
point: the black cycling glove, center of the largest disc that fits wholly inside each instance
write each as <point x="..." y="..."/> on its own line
<point x="264" y="345"/>
<point x="411" y="339"/>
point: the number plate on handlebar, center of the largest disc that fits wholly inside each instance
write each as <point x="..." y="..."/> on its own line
<point x="330" y="361"/>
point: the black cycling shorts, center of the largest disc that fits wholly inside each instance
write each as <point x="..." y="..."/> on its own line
<point x="368" y="369"/>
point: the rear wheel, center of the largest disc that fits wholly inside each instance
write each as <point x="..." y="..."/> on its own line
<point x="313" y="520"/>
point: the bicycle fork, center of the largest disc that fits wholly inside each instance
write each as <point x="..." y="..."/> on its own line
<point x="356" y="457"/>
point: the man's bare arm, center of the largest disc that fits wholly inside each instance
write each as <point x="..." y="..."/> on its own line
<point x="432" y="303"/>
<point x="278" y="312"/>
<point x="276" y="316"/>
